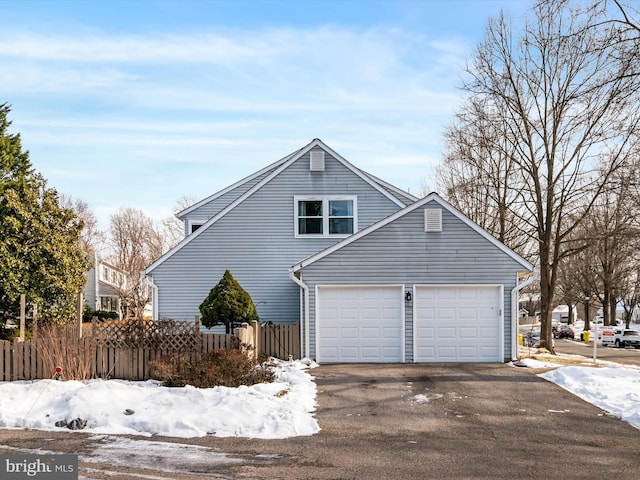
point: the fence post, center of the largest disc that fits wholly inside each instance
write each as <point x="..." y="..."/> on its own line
<point x="23" y="308"/>
<point x="247" y="335"/>
<point x="256" y="338"/>
<point x="79" y="314"/>
<point x="34" y="325"/>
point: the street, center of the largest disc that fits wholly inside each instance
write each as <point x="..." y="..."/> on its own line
<point x="626" y="356"/>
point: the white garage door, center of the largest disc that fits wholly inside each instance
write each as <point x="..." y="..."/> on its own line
<point x="359" y="324"/>
<point x="458" y="324"/>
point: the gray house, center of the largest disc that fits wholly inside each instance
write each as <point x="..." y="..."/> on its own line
<point x="372" y="273"/>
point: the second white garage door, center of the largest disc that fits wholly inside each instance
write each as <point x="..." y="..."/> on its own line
<point x="458" y="324"/>
<point x="359" y="324"/>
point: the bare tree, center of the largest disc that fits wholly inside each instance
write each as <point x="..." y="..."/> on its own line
<point x="173" y="227"/>
<point x="630" y="291"/>
<point x="566" y="92"/>
<point x="135" y="242"/>
<point x="91" y="238"/>
<point x="613" y="221"/>
<point x="478" y="169"/>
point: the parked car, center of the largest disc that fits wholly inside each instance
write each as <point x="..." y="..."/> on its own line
<point x="563" y="331"/>
<point x="531" y="338"/>
<point x="10" y="324"/>
<point x="627" y="338"/>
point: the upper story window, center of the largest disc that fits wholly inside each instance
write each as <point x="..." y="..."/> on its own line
<point x="193" y="224"/>
<point x="111" y="276"/>
<point x="325" y="216"/>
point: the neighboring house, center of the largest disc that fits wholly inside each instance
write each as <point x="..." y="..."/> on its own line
<point x="104" y="282"/>
<point x="372" y="273"/>
<point x="561" y="314"/>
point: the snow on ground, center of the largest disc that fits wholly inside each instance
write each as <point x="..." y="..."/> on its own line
<point x="274" y="410"/>
<point x="270" y="410"/>
<point x="615" y="389"/>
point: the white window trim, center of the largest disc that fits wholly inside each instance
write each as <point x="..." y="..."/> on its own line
<point x="325" y="215"/>
<point x="195" y="221"/>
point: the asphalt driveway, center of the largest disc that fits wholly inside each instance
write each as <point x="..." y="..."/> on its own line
<point x="408" y="422"/>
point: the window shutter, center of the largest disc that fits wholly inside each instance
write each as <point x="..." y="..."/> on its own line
<point x="317" y="161"/>
<point x="433" y="220"/>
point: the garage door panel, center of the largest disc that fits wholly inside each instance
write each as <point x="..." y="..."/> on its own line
<point x="488" y="333"/>
<point x="468" y="355"/>
<point x="371" y="332"/>
<point x="389" y="333"/>
<point x="457" y="324"/>
<point x="486" y="350"/>
<point x="329" y="332"/>
<point x="446" y="332"/>
<point x="348" y="332"/>
<point x="349" y="354"/>
<point x="447" y="354"/>
<point x="467" y="333"/>
<point x="368" y="321"/>
<point x="347" y="313"/>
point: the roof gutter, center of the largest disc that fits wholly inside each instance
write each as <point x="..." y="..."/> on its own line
<point x="305" y="312"/>
<point x="515" y="307"/>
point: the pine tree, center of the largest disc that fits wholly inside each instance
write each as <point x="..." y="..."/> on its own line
<point x="39" y="249"/>
<point x="227" y="303"/>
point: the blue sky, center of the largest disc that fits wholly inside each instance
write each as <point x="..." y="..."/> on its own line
<point x="139" y="103"/>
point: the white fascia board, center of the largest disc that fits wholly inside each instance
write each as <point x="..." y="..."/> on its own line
<point x="239" y="183"/>
<point x="420" y="203"/>
<point x="364" y="176"/>
<point x="455" y="212"/>
<point x="393" y="188"/>
<point x="283" y="165"/>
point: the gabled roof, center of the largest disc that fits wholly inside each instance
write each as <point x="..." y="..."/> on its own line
<point x="432" y="197"/>
<point x="268" y="173"/>
<point x="266" y="170"/>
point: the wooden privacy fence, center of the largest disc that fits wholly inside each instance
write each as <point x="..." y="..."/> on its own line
<point x="275" y="340"/>
<point x="31" y="359"/>
<point x="111" y="352"/>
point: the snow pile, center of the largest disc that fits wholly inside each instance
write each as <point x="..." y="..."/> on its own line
<point x="269" y="410"/>
<point x="533" y="363"/>
<point x="615" y="389"/>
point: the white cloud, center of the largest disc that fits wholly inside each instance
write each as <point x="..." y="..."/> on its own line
<point x="164" y="114"/>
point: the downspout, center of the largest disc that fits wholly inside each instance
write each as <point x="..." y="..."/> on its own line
<point x="305" y="312"/>
<point x="515" y="308"/>
<point x="154" y="297"/>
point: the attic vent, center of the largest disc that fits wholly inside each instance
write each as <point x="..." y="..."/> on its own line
<point x="432" y="220"/>
<point x="317" y="161"/>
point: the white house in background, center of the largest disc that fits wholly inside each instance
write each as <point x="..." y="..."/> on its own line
<point x="104" y="281"/>
<point x="561" y="314"/>
<point x="372" y="273"/>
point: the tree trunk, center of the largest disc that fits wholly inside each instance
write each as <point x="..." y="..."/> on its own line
<point x="546" y="302"/>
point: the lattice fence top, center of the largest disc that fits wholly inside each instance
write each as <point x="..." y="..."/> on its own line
<point x="163" y="334"/>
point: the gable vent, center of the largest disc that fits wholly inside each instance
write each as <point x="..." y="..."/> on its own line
<point x="432" y="220"/>
<point x="317" y="161"/>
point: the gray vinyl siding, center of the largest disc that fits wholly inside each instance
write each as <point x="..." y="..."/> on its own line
<point x="256" y="242"/>
<point x="215" y="205"/>
<point x="402" y="253"/>
<point x="404" y="197"/>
